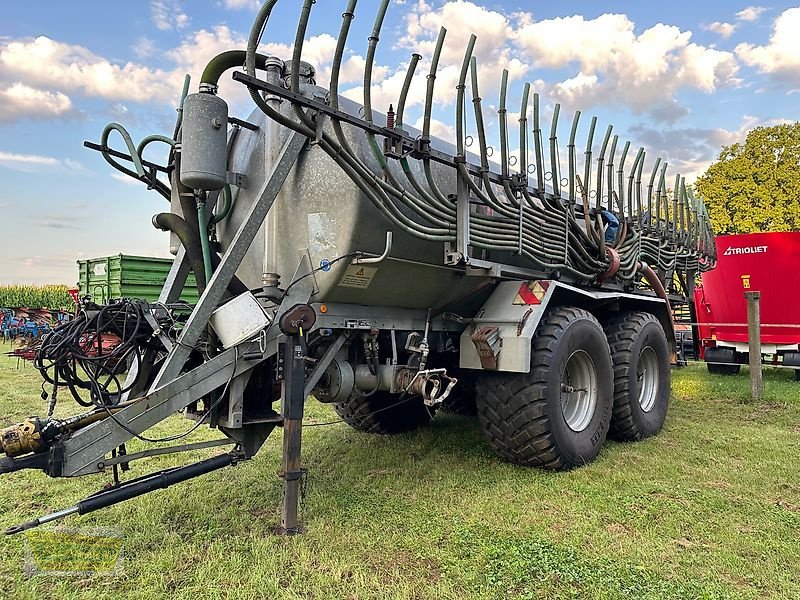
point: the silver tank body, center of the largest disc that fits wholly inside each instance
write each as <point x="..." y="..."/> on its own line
<point x="320" y="212"/>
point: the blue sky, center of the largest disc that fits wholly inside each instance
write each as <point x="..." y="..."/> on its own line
<point x="680" y="78"/>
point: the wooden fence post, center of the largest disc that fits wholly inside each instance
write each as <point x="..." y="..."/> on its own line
<point x="754" y="340"/>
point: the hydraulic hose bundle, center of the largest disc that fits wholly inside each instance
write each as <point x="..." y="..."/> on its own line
<point x="88" y="354"/>
<point x="598" y="225"/>
<point x="556" y="233"/>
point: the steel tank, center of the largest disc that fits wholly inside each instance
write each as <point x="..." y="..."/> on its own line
<point x="321" y="213"/>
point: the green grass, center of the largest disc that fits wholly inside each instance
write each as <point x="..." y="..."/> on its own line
<point x="708" y="509"/>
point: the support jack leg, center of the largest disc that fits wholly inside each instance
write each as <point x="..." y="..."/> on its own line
<point x="293" y="404"/>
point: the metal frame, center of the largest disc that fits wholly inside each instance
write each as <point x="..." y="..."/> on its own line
<point x="85" y="450"/>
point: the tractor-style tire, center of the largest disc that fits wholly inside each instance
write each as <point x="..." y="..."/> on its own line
<point x="640" y="354"/>
<point x="384" y="413"/>
<point x="722" y="361"/>
<point x="557" y="415"/>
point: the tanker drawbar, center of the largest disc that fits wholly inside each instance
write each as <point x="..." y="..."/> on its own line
<point x="340" y="253"/>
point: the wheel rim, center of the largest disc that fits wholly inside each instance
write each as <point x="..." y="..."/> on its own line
<point x="578" y="391"/>
<point x="647" y="378"/>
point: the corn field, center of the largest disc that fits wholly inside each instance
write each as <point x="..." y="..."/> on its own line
<point x="35" y="296"/>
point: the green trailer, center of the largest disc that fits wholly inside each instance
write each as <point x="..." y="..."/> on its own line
<point x="126" y="276"/>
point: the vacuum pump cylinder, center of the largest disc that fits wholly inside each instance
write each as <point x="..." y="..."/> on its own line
<point x="204" y="142"/>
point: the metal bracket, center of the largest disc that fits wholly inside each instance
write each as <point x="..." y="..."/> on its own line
<point x="231" y="260"/>
<point x="237" y="179"/>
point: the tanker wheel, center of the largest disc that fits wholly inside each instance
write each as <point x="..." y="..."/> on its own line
<point x="722" y="361"/>
<point x="557" y="415"/>
<point x="461" y="400"/>
<point x="640" y="354"/>
<point x="384" y="413"/>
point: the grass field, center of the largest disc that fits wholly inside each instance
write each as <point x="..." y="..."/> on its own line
<point x="708" y="509"/>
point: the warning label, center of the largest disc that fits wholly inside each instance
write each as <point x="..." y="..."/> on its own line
<point x="358" y="276"/>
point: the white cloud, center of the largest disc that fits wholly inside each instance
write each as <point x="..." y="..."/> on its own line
<point x="144" y="47"/>
<point x="62" y="68"/>
<point x="125" y="178"/>
<point x="240" y="4"/>
<point x="690" y="151"/>
<point x="21" y="101"/>
<point x="34" y="163"/>
<point x="438" y="129"/>
<point x="724" y="30"/>
<point x="609" y="56"/>
<point x="168" y="15"/>
<point x="751" y="13"/>
<point x="780" y="58"/>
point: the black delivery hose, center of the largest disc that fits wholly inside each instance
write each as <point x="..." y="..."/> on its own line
<point x="194" y="252"/>
<point x="190" y="240"/>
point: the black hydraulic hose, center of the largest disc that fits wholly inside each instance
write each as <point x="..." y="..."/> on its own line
<point x="478" y="110"/>
<point x="426" y="115"/>
<point x="523" y="131"/>
<point x="190" y="240"/>
<point x="571" y="163"/>
<point x="460" y="91"/>
<point x="554" y="170"/>
<point x="537" y="142"/>
<point x="621" y="179"/>
<point x="587" y="166"/>
<point x="650" y="194"/>
<point x="600" y="160"/>
<point x="611" y="153"/>
<point x="191" y="243"/>
<point x="235" y="287"/>
<point x="631" y="177"/>
<point x="639" y="189"/>
<point x="363" y="179"/>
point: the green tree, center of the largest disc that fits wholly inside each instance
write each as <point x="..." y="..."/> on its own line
<point x="755" y="186"/>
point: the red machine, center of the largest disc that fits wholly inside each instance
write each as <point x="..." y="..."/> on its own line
<point x="764" y="262"/>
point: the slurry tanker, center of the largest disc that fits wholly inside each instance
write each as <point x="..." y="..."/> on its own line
<point x="341" y="254"/>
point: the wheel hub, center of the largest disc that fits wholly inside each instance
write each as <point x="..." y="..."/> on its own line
<point x="579" y="390"/>
<point x="647" y="378"/>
